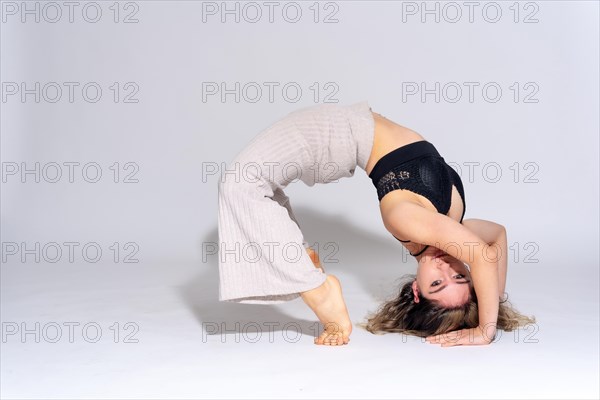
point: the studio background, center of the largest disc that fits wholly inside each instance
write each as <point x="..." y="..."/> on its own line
<point x="179" y="98"/>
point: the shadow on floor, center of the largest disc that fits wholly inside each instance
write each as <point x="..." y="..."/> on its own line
<point x="342" y="246"/>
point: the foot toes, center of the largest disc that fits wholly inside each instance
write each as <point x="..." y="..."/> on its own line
<point x="331" y="339"/>
<point x="321" y="339"/>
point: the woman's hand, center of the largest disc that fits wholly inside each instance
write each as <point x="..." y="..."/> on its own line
<point x="472" y="336"/>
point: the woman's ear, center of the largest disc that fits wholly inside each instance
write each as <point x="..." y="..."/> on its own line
<point x="415" y="289"/>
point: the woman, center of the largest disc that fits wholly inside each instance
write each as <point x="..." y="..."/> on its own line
<point x="421" y="203"/>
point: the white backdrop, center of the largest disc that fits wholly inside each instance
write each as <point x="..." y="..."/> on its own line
<point x="155" y="96"/>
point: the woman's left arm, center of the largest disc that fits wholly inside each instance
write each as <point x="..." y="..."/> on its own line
<point x="494" y="235"/>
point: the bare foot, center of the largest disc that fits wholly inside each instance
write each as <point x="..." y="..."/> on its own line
<point x="328" y="304"/>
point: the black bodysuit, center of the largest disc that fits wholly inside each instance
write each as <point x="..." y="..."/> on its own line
<point x="419" y="168"/>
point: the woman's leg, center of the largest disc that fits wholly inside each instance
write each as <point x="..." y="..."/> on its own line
<point x="261" y="256"/>
<point x="280" y="196"/>
<point x="251" y="213"/>
<point x="326" y="301"/>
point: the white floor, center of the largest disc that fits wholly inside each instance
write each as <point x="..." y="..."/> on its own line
<point x="170" y="302"/>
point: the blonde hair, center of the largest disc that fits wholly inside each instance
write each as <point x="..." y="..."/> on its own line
<point x="402" y="314"/>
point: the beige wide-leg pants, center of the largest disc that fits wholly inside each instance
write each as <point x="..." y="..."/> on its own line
<point x="262" y="257"/>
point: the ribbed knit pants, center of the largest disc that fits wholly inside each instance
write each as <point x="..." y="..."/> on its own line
<point x="262" y="256"/>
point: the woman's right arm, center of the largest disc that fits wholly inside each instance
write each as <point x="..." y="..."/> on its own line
<point x="418" y="224"/>
<point x="494" y="234"/>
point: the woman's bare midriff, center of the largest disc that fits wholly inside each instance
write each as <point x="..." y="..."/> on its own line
<point x="389" y="136"/>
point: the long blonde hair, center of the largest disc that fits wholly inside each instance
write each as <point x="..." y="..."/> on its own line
<point x="402" y="314"/>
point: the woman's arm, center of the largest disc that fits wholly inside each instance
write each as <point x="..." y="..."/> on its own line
<point x="417" y="224"/>
<point x="495" y="235"/>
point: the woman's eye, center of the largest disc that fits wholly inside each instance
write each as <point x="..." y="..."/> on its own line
<point x="435" y="283"/>
<point x="459" y="276"/>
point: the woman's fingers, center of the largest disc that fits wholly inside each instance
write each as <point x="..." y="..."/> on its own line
<point x="447" y="339"/>
<point x="451" y="344"/>
<point x="472" y="336"/>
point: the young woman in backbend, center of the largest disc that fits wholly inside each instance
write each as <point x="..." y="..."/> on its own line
<point x="422" y="204"/>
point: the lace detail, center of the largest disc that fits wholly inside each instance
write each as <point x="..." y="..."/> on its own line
<point x="393" y="176"/>
<point x="427" y="176"/>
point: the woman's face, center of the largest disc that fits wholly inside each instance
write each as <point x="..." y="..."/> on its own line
<point x="442" y="278"/>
